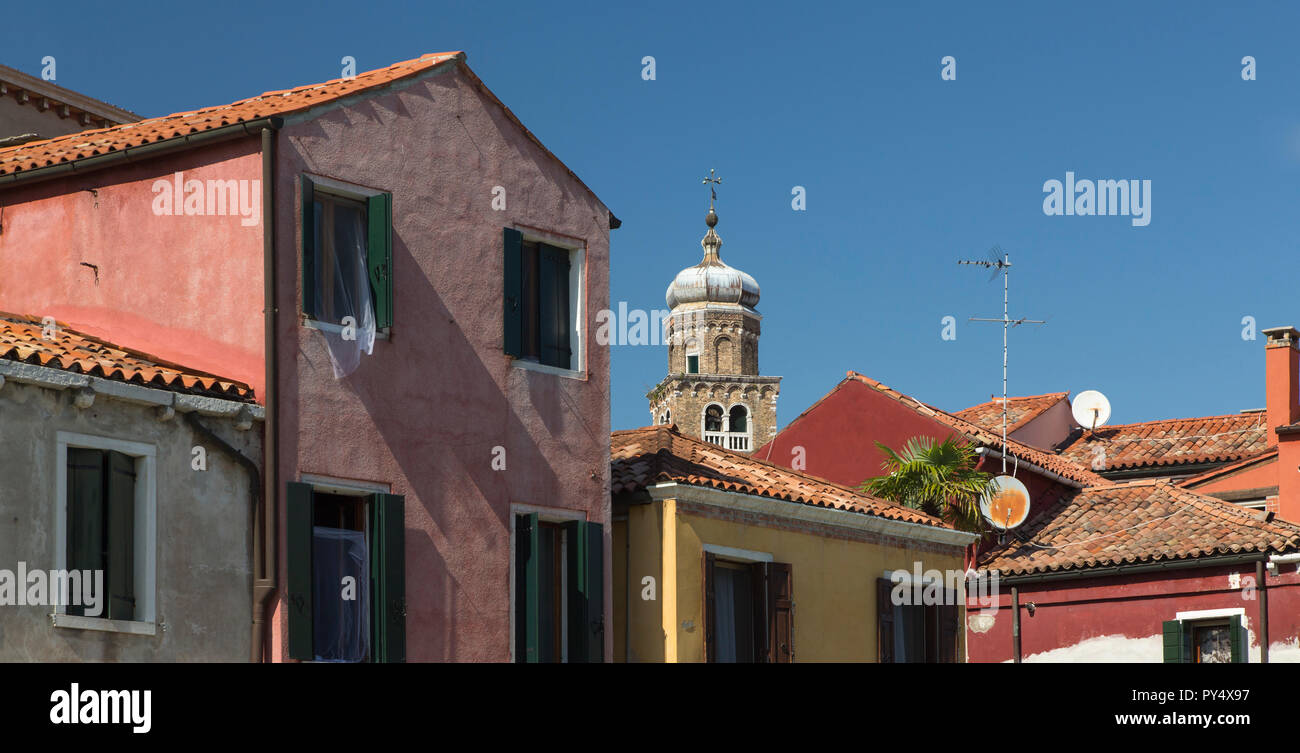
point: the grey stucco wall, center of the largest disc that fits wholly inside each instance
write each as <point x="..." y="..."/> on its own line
<point x="203" y="568"/>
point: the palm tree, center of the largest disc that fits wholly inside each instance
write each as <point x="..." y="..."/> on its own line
<point x="938" y="479"/>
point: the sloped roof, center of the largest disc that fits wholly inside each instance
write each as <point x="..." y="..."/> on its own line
<point x="1020" y="411"/>
<point x="1171" y="442"/>
<point x="1061" y="466"/>
<point x="641" y="457"/>
<point x="85" y="144"/>
<point x="1224" y="471"/>
<point x="21" y="339"/>
<point x="1149" y="520"/>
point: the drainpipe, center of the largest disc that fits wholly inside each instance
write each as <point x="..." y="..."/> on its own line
<point x="1015" y="621"/>
<point x="1262" y="586"/>
<point x="264" y="577"/>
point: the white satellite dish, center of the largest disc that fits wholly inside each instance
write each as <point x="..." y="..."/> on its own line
<point x="1007" y="503"/>
<point x="1091" y="409"/>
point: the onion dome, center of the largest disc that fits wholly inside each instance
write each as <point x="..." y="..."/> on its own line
<point x="712" y="281"/>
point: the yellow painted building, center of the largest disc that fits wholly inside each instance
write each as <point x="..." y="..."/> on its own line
<point x="719" y="556"/>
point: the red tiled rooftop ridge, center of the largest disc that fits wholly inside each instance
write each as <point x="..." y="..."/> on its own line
<point x="1020" y="410"/>
<point x="654" y="454"/>
<point x="1170" y="442"/>
<point x="21" y="339"/>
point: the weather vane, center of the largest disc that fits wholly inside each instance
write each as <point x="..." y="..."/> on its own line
<point x="713" y="192"/>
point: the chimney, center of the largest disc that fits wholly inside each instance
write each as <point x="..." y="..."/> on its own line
<point x="1281" y="378"/>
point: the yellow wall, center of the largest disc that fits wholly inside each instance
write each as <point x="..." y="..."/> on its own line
<point x="834" y="584"/>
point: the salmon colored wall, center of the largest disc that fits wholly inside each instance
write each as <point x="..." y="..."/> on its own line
<point x="1127" y="608"/>
<point x="186" y="289"/>
<point x="424" y="412"/>
<point x="1264" y="474"/>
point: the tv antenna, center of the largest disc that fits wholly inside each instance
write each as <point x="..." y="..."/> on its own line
<point x="1000" y="261"/>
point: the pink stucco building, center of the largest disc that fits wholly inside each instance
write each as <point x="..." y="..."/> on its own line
<point x="440" y="494"/>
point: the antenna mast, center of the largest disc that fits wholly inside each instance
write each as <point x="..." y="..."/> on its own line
<point x="1003" y="265"/>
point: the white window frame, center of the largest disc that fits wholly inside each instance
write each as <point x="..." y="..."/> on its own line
<point x="545" y="515"/>
<point x="145" y="532"/>
<point x="577" y="304"/>
<point x="1213" y="615"/>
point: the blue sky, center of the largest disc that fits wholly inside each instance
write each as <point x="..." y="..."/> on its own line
<point x="905" y="173"/>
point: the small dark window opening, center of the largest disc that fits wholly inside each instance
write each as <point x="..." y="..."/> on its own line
<point x="692" y="364"/>
<point x="739" y="417"/>
<point x="713" y="418"/>
<point x="336" y="264"/>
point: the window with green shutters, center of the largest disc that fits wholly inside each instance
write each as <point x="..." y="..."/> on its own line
<point x="378" y="581"/>
<point x="538" y="301"/>
<point x="559" y="590"/>
<point x="342" y="231"/>
<point x="1205" y="641"/>
<point x="100" y="525"/>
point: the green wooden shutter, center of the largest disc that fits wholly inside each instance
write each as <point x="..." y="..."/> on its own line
<point x="308" y="222"/>
<point x="527" y="586"/>
<point x="884" y="621"/>
<point x="514" y="292"/>
<point x="379" y="250"/>
<point x="1238" y="637"/>
<point x="121" y="536"/>
<point x="586" y="585"/>
<point x="760" y="614"/>
<point x="780" y="612"/>
<point x="388" y="577"/>
<point x="949" y="620"/>
<point x="298" y="545"/>
<point x="710" y="608"/>
<point x="1177" y="642"/>
<point x="85" y="515"/>
<point x="554" y="294"/>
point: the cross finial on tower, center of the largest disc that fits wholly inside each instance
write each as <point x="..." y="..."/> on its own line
<point x="713" y="192"/>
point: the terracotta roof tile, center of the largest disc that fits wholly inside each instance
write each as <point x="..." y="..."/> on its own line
<point x="1140" y="521"/>
<point x="1061" y="466"/>
<point x="84" y="144"/>
<point x="1020" y="411"/>
<point x="641" y="457"/>
<point x="21" y="340"/>
<point x="1171" y="442"/>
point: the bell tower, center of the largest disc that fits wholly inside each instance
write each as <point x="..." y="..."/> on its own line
<point x="713" y="390"/>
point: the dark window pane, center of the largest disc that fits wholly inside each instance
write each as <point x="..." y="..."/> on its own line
<point x="739" y="414"/>
<point x="531" y="303"/>
<point x="692" y="364"/>
<point x="550" y="600"/>
<point x="733" y="600"/>
<point x="713" y="418"/>
<point x="339" y="257"/>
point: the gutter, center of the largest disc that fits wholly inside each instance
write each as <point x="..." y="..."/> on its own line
<point x="1102" y="572"/>
<point x="147" y="151"/>
<point x="982" y="451"/>
<point x="265" y="563"/>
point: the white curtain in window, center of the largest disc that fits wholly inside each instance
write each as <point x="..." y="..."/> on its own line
<point x="352" y="296"/>
<point x="341" y="625"/>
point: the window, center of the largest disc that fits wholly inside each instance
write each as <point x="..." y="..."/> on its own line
<point x="101" y="525"/>
<point x="749" y="611"/>
<point x="346" y="252"/>
<point x="915" y="632"/>
<point x="692" y="356"/>
<point x="739" y="418"/>
<point x="713" y="418"/>
<point x="559" y="590"/>
<point x="1210" y="640"/>
<point x="541" y="302"/>
<point x="106" y="522"/>
<point x="347" y="586"/>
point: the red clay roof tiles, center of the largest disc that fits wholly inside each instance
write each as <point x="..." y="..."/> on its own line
<point x="36" y="154"/>
<point x="642" y="457"/>
<point x="21" y="339"/>
<point x="1020" y="411"/>
<point x="1150" y="520"/>
<point x="1171" y="442"/>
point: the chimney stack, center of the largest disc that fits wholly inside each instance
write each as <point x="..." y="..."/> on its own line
<point x="1281" y="378"/>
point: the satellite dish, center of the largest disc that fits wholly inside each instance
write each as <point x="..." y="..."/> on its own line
<point x="1007" y="503"/>
<point x="1091" y="409"/>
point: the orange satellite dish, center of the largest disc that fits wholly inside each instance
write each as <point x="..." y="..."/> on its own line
<point x="1007" y="503"/>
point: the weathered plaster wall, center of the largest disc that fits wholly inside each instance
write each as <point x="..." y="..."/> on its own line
<point x="425" y="410"/>
<point x="203" y="540"/>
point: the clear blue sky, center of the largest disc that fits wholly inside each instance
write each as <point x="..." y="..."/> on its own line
<point x="905" y="173"/>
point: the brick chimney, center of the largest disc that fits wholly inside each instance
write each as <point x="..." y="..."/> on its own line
<point x="1281" y="378"/>
<point x="1282" y="381"/>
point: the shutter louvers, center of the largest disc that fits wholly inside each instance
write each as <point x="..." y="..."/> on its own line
<point x="1176" y="642"/>
<point x="379" y="252"/>
<point x="1237" y="636"/>
<point x="554" y="294"/>
<point x="949" y="616"/>
<point x="527" y="588"/>
<point x="884" y="621"/>
<point x="761" y="615"/>
<point x="121" y="536"/>
<point x="710" y="610"/>
<point x="780" y="606"/>
<point x="308" y="223"/>
<point x="595" y="533"/>
<point x="514" y="292"/>
<point x="298" y="541"/>
<point x="85" y="515"/>
<point x="388" y="577"/>
<point x="579" y="589"/>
